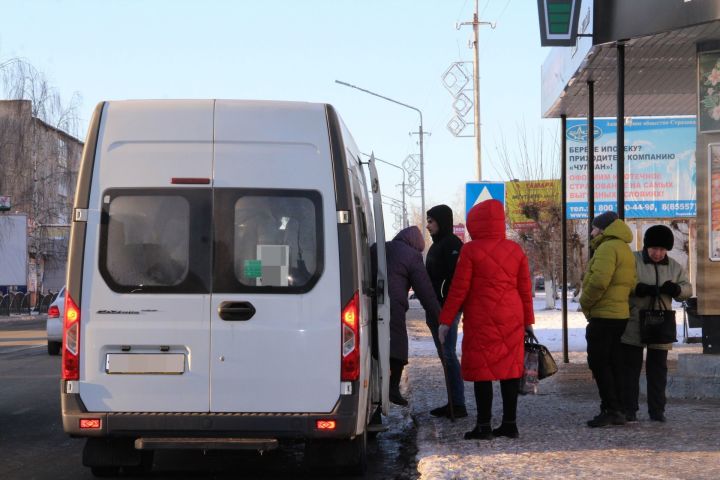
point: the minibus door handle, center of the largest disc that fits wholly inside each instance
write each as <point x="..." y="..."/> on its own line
<point x="236" y="310"/>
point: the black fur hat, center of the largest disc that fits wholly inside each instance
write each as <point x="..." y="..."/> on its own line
<point x="659" y="236"/>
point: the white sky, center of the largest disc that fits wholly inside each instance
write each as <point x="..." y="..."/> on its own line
<point x="294" y="50"/>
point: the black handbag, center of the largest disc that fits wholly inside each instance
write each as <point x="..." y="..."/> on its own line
<point x="546" y="363"/>
<point x="657" y="325"/>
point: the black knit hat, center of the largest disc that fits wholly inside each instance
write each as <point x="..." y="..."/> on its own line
<point x="604" y="220"/>
<point x="659" y="236"/>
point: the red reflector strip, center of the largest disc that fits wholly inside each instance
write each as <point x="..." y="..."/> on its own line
<point x="90" y="423"/>
<point x="325" y="424"/>
<point x="189" y="181"/>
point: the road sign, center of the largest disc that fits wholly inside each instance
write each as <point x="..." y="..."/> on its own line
<point x="476" y="192"/>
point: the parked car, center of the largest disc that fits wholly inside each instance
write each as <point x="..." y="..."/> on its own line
<point x="539" y="282"/>
<point x="55" y="313"/>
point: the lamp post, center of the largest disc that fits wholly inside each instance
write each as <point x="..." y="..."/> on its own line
<point x="404" y="207"/>
<point x="421" y="133"/>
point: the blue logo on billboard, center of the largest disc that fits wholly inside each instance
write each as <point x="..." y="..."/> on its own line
<point x="578" y="133"/>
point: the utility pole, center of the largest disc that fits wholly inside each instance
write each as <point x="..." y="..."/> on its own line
<point x="476" y="83"/>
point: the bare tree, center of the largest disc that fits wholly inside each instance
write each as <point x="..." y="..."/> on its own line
<point x="537" y="161"/>
<point x="39" y="158"/>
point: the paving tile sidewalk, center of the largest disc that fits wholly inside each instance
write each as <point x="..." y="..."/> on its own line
<point x="22" y="318"/>
<point x="555" y="441"/>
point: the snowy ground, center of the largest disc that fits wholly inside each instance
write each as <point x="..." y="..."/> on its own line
<point x="548" y="325"/>
<point x="555" y="443"/>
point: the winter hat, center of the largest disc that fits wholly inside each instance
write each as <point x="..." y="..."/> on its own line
<point x="604" y="220"/>
<point x="659" y="236"/>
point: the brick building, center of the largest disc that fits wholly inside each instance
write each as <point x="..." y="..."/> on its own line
<point x="38" y="171"/>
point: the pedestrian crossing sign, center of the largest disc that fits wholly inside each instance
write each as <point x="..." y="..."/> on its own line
<point x="476" y="192"/>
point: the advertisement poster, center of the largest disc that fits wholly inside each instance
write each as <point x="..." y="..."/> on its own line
<point x="538" y="193"/>
<point x="714" y="210"/>
<point x="709" y="92"/>
<point x="659" y="167"/>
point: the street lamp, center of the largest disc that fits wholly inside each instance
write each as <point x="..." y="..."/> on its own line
<point x="404" y="207"/>
<point x="421" y="133"/>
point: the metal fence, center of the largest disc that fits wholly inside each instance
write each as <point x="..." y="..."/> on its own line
<point x="19" y="303"/>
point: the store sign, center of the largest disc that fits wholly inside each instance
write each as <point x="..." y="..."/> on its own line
<point x="659" y="167"/>
<point x="558" y="22"/>
<point x="459" y="231"/>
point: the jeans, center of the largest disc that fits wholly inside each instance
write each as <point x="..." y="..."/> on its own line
<point x="656" y="373"/>
<point x="457" y="387"/>
<point x="605" y="359"/>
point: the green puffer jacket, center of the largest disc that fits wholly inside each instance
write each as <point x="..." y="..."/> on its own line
<point x="610" y="276"/>
<point x="672" y="271"/>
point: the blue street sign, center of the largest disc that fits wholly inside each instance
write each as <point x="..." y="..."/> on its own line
<point x="476" y="192"/>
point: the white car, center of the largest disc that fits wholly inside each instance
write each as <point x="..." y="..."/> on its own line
<point x="53" y="326"/>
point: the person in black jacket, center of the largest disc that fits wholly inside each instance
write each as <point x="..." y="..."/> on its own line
<point x="440" y="263"/>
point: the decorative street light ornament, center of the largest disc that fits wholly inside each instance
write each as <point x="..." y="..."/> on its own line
<point x="456" y="125"/>
<point x="413" y="179"/>
<point x="455" y="78"/>
<point x="410" y="189"/>
<point x="410" y="164"/>
<point x="462" y="105"/>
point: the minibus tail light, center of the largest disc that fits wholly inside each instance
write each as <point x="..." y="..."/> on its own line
<point x="350" y="359"/>
<point x="71" y="341"/>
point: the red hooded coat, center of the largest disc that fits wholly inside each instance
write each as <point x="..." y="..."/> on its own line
<point x="492" y="287"/>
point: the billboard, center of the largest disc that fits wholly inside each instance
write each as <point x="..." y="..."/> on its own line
<point x="13" y="250"/>
<point x="540" y="193"/>
<point x="659" y="167"/>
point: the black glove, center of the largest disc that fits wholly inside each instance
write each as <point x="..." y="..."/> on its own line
<point x="645" y="290"/>
<point x="670" y="288"/>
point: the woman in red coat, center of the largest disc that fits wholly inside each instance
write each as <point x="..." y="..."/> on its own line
<point x="492" y="287"/>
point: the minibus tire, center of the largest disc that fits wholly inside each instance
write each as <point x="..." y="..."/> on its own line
<point x="53" y="348"/>
<point x="358" y="449"/>
<point x="104" y="472"/>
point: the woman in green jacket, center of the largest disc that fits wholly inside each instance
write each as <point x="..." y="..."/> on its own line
<point x="605" y="294"/>
<point x="660" y="275"/>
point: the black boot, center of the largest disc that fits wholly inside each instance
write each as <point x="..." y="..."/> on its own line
<point x="459" y="411"/>
<point x="396" y="369"/>
<point x="507" y="429"/>
<point x="480" y="432"/>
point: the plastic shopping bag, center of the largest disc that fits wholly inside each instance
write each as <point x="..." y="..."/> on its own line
<point x="529" y="381"/>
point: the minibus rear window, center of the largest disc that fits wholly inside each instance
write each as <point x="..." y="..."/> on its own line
<point x="147" y="239"/>
<point x="274" y="243"/>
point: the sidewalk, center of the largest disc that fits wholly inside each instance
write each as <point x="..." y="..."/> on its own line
<point x="554" y="439"/>
<point x="22" y="318"/>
